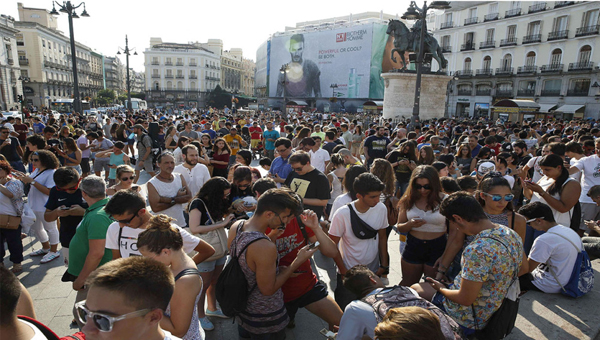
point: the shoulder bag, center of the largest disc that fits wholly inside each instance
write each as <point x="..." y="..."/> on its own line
<point x="216" y="238"/>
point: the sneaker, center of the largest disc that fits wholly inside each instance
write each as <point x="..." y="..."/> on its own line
<point x="291" y="324"/>
<point x="206" y="324"/>
<point x="39" y="252"/>
<point x="50" y="257"/>
<point x="16" y="268"/>
<point x="218" y="314"/>
<point x="385" y="281"/>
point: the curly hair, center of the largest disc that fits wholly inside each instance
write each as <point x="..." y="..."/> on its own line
<point x="47" y="159"/>
<point x="213" y="193"/>
<point x="382" y="168"/>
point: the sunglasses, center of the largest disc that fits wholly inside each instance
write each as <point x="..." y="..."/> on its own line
<point x="104" y="322"/>
<point x="127" y="178"/>
<point x="126" y="222"/>
<point x="497" y="198"/>
<point x="71" y="188"/>
<point x="298" y="169"/>
<point x="419" y="187"/>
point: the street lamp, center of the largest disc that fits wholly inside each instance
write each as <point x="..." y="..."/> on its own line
<point x="284" y="70"/>
<point x="69" y="9"/>
<point x="416" y="13"/>
<point x="127" y="52"/>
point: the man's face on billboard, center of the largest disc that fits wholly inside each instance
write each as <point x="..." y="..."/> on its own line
<point x="296" y="49"/>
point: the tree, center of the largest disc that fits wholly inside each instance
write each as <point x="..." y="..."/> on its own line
<point x="141" y="95"/>
<point x="122" y="98"/>
<point x="219" y="98"/>
<point x="108" y="94"/>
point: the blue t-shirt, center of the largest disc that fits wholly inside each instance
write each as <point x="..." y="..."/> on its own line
<point x="211" y="133"/>
<point x="270" y="134"/>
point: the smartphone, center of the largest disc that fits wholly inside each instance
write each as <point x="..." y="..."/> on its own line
<point x="314" y="245"/>
<point x="327" y="333"/>
<point x="135" y="187"/>
<point x="65" y="208"/>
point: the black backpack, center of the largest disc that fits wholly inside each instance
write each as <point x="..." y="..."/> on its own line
<point x="232" y="287"/>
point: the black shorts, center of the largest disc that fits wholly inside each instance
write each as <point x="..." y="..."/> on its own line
<point x="85" y="165"/>
<point x="425" y="252"/>
<point x="317" y="293"/>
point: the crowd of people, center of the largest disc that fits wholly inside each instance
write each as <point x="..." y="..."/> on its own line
<point x="479" y="207"/>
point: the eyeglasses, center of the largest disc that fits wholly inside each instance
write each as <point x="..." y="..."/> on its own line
<point x="71" y="188"/>
<point x="104" y="322"/>
<point x="126" y="222"/>
<point x="497" y="198"/>
<point x="127" y="178"/>
<point x="282" y="150"/>
<point x="419" y="187"/>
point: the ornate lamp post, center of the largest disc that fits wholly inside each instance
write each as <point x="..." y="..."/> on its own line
<point x="69" y="9"/>
<point x="127" y="52"/>
<point x="416" y="13"/>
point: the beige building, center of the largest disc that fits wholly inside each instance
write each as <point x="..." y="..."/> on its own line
<point x="114" y="75"/>
<point x="10" y="82"/>
<point x="138" y="81"/>
<point x="248" y="70"/>
<point x="231" y="70"/>
<point x="542" y="51"/>
<point x="45" y="58"/>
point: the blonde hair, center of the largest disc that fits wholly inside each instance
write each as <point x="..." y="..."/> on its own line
<point x="123" y="169"/>
<point x="409" y="323"/>
<point x="160" y="234"/>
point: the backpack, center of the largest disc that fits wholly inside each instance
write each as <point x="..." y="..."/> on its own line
<point x="232" y="286"/>
<point x="582" y="276"/>
<point x="399" y="296"/>
<point x="156" y="149"/>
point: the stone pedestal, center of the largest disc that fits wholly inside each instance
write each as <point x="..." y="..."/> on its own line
<point x="399" y="94"/>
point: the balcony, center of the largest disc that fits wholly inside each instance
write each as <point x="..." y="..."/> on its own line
<point x="180" y="76"/>
<point x="504" y="93"/>
<point x="487" y="44"/>
<point x="512" y="13"/>
<point x="556" y="35"/>
<point x="169" y="76"/>
<point x="539" y="7"/>
<point x="448" y="24"/>
<point x="504" y="71"/>
<point x="577" y="93"/>
<point x="528" y="69"/>
<point x="525" y="93"/>
<point x="588" y="30"/>
<point x="168" y="63"/>
<point x="483" y="92"/>
<point x="23" y="62"/>
<point x="510" y="41"/>
<point x="471" y="21"/>
<point x="559" y="4"/>
<point x="462" y="92"/>
<point x="490" y="17"/>
<point x="464" y="73"/>
<point x="581" y="66"/>
<point x="154" y="62"/>
<point x="10" y="61"/>
<point x="484" y="72"/>
<point x="550" y="93"/>
<point x="446" y="49"/>
<point x="552" y="68"/>
<point x="193" y="64"/>
<point x="193" y="76"/>
<point x="530" y="39"/>
<point x="467" y="47"/>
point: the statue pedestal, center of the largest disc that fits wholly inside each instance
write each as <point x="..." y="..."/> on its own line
<point x="399" y="94"/>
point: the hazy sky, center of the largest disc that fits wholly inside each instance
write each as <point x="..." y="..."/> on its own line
<point x="243" y="24"/>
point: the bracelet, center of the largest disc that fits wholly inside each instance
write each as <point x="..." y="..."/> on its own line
<point x="443" y="272"/>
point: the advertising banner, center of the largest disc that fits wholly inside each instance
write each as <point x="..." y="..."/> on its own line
<point x="317" y="60"/>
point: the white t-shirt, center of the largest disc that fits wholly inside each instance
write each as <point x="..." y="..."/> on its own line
<point x="339" y="202"/>
<point x="557" y="253"/>
<point x="534" y="163"/>
<point x="576" y="176"/>
<point x="127" y="245"/>
<point x="354" y="250"/>
<point x="83" y="141"/>
<point x="318" y="159"/>
<point x="359" y="319"/>
<point x="510" y="179"/>
<point x="194" y="178"/>
<point x="590" y="168"/>
<point x="37" y="333"/>
<point x="169" y="336"/>
<point x="37" y="200"/>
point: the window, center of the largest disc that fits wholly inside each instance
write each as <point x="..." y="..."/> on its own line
<point x="511" y="32"/>
<point x="180" y="85"/>
<point x="473" y="12"/>
<point x="515" y="4"/>
<point x="487" y="62"/>
<point x="43" y="43"/>
<point x="534" y="28"/>
<point x="584" y="54"/>
<point x="469" y="38"/>
<point x="560" y="24"/>
<point x="504" y="87"/>
<point x="169" y="85"/>
<point x="507" y="62"/>
<point x="556" y="57"/>
<point x="467" y="64"/>
<point x="590" y="18"/>
<point x="192" y="85"/>
<point x="489" y="35"/>
<point x="527" y="85"/>
<point x="446" y="41"/>
<point x="493" y="8"/>
<point x="579" y="85"/>
<point x="448" y="18"/>
<point x="530" y="59"/>
<point x="179" y="73"/>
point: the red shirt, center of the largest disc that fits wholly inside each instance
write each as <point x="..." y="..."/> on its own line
<point x="255" y="132"/>
<point x="495" y="149"/>
<point x="288" y="245"/>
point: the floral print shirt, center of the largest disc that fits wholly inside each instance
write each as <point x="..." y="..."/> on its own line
<point x="487" y="260"/>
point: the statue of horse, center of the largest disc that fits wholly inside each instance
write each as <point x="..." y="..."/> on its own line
<point x="407" y="40"/>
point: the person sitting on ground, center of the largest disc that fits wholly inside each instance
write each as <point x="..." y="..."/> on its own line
<point x="553" y="254"/>
<point x="127" y="299"/>
<point x="409" y="323"/>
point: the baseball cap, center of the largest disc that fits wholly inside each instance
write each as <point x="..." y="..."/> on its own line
<point x="485" y="167"/>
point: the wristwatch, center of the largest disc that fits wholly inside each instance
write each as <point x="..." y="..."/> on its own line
<point x="172" y="200"/>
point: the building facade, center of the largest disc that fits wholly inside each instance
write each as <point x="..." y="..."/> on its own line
<point x="114" y="75"/>
<point x="231" y="70"/>
<point x="45" y="58"/>
<point x="180" y="75"/>
<point x="138" y="81"/>
<point x="248" y="70"/>
<point x="541" y="51"/>
<point x="10" y="71"/>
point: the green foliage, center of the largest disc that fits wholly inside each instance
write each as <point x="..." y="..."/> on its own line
<point x="108" y="94"/>
<point x="141" y="95"/>
<point x="122" y="97"/>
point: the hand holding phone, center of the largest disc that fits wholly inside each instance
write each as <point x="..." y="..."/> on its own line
<point x="314" y="245"/>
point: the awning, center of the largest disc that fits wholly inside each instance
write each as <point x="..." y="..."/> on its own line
<point x="373" y="105"/>
<point x="569" y="108"/>
<point x="546" y="108"/>
<point x="516" y="105"/>
<point x="296" y="103"/>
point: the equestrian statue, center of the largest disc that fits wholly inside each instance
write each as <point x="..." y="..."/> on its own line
<point x="409" y="40"/>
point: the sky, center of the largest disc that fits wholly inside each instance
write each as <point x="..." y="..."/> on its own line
<point x="242" y="24"/>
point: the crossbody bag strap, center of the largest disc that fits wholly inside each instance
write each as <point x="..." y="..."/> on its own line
<point x="119" y="240"/>
<point x="576" y="248"/>
<point x="552" y="271"/>
<point x="207" y="212"/>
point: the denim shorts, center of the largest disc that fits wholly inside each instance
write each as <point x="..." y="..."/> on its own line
<point x="207" y="267"/>
<point x="425" y="252"/>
